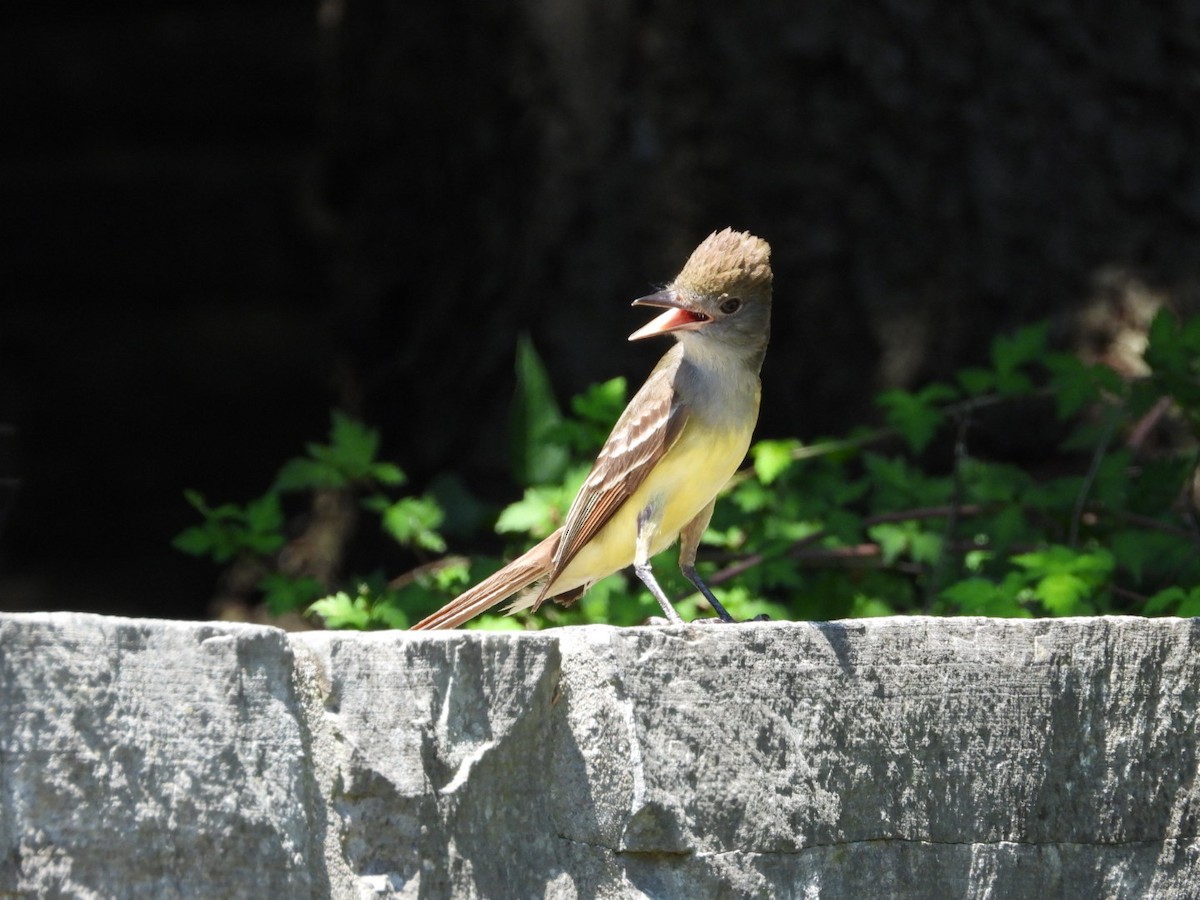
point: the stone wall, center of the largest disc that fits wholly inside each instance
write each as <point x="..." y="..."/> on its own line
<point x="873" y="758"/>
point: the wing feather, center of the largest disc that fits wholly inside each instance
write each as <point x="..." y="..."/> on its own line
<point x="648" y="428"/>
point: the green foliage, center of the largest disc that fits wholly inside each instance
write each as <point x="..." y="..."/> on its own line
<point x="861" y="527"/>
<point x="375" y="603"/>
<point x="371" y="606"/>
<point x="411" y="521"/>
<point x="229" y="531"/>
<point x="283" y="593"/>
<point x="1012" y="357"/>
<point x="542" y="508"/>
<point x="257" y="535"/>
<point x="1175" y="601"/>
<point x="773" y="458"/>
<point x="348" y="460"/>
<point x="534" y="417"/>
<point x="908" y="518"/>
<point x="1173" y="355"/>
<point x="917" y="416"/>
<point x="596" y="411"/>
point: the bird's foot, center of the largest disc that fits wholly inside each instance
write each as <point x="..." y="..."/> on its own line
<point x="717" y="620"/>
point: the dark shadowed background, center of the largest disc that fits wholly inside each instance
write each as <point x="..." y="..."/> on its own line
<point x="218" y="221"/>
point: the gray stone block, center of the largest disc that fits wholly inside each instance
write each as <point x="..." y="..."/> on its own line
<point x="873" y="758"/>
<point x="150" y="759"/>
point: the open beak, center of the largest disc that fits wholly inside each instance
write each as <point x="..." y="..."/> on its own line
<point x="680" y="315"/>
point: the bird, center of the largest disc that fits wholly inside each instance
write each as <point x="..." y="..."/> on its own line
<point x="677" y="444"/>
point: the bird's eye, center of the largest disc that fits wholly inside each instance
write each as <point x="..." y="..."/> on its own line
<point x="730" y="306"/>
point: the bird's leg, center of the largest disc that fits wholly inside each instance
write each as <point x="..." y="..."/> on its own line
<point x="647" y="525"/>
<point x="689" y="540"/>
<point x="690" y="573"/>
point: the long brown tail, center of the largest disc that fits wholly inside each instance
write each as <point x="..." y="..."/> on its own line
<point x="518" y="574"/>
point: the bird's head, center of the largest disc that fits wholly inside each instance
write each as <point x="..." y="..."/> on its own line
<point x="721" y="300"/>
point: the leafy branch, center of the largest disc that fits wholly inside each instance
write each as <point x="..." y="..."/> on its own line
<point x="914" y="515"/>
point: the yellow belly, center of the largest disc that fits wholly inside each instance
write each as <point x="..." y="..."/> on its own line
<point x="683" y="483"/>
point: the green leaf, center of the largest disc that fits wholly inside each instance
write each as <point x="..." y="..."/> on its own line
<point x="452" y="579"/>
<point x="1166" y="351"/>
<point x="372" y="605"/>
<point x="1056" y="558"/>
<point x="413" y="521"/>
<point x="989" y="482"/>
<point x="898" y="539"/>
<point x="983" y="597"/>
<point x="779" y="572"/>
<point x="387" y="615"/>
<point x="196" y="500"/>
<point x="1174" y="601"/>
<point x="340" y="610"/>
<point x="925" y="546"/>
<point x="1072" y="383"/>
<point x="538" y="513"/>
<point x="1148" y="554"/>
<point x="596" y="411"/>
<point x="1054" y="496"/>
<point x="972" y="595"/>
<point x="230" y="531"/>
<point x="976" y="381"/>
<point x="772" y="458"/>
<point x="1010" y="354"/>
<point x="1165" y="602"/>
<point x="195" y="541"/>
<point x="1063" y="593"/>
<point x="845" y="526"/>
<point x="389" y="474"/>
<point x="1013" y="384"/>
<point x="865" y="607"/>
<point x="752" y="496"/>
<point x="1189" y="608"/>
<point x="915" y="415"/>
<point x="466" y="514"/>
<point x="892" y="540"/>
<point x="533" y="454"/>
<point x="601" y="404"/>
<point x="348" y="459"/>
<point x="264" y="514"/>
<point x="975" y="560"/>
<point x="1063" y="579"/>
<point x="1003" y="527"/>
<point x="283" y="594"/>
<point x="305" y="474"/>
<point x="352" y="446"/>
<point x="791" y="530"/>
<point x="1025" y="346"/>
<point x="896" y="485"/>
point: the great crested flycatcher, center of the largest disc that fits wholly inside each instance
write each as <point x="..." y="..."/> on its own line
<point x="679" y="441"/>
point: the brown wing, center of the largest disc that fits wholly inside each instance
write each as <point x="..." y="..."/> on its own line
<point x="650" y="425"/>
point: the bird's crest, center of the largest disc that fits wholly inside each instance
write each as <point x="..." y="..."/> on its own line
<point x="727" y="261"/>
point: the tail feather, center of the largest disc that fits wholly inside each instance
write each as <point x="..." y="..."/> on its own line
<point x="516" y="576"/>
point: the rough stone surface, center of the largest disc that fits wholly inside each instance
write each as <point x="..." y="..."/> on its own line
<point x="873" y="758"/>
<point x="145" y="758"/>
